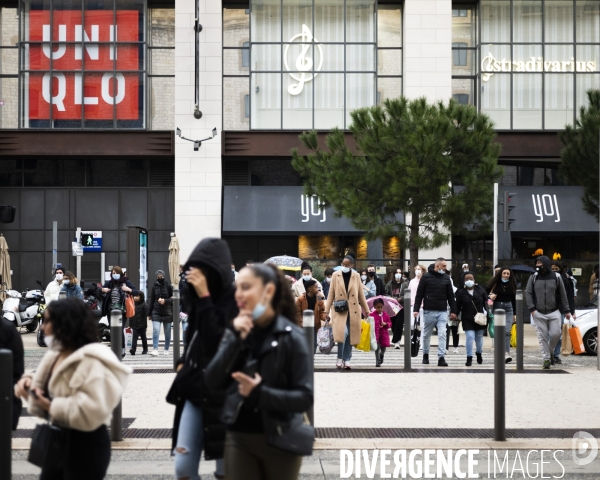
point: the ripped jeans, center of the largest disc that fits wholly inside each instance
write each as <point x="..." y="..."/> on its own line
<point x="190" y="437"/>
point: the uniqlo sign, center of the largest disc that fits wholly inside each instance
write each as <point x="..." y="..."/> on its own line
<point x="97" y="88"/>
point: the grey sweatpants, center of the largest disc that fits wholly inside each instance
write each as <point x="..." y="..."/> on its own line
<point x="548" y="328"/>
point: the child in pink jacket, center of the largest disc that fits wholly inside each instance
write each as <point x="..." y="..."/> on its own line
<point x="382" y="324"/>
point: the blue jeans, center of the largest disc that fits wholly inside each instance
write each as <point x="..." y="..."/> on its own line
<point x="190" y="442"/>
<point x="156" y="333"/>
<point x="476" y="335"/>
<point x="507" y="307"/>
<point x="345" y="347"/>
<point x="433" y="318"/>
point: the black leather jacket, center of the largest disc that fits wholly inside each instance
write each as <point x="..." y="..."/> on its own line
<point x="286" y="390"/>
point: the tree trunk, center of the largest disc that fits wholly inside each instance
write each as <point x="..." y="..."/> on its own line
<point x="412" y="245"/>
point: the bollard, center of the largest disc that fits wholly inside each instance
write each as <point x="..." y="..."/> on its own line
<point x="308" y="325"/>
<point x="407" y="330"/>
<point x="499" y="375"/>
<point x="116" y="334"/>
<point x="520" y="334"/>
<point x="62" y="295"/>
<point x="176" y="328"/>
<point x="6" y="406"/>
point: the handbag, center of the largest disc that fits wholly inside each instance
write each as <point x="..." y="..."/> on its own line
<point x="567" y="345"/>
<point x="47" y="449"/>
<point x="325" y="339"/>
<point x="415" y="341"/>
<point x="373" y="339"/>
<point x="129" y="306"/>
<point x="298" y="439"/>
<point x="340" y="306"/>
<point x="365" y="337"/>
<point x="480" y="318"/>
<point x="187" y="384"/>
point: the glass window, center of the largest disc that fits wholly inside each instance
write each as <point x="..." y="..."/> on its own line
<point x="117" y="173"/>
<point x="11" y="173"/>
<point x="495" y="21"/>
<point x="461" y="98"/>
<point x="588" y="21"/>
<point x="389" y="26"/>
<point x="527" y="21"/>
<point x="495" y="100"/>
<point x="459" y="13"/>
<point x="236" y="103"/>
<point x="459" y="57"/>
<point x="236" y="27"/>
<point x="527" y="102"/>
<point x="54" y="173"/>
<point x="463" y="90"/>
<point x="558" y="21"/>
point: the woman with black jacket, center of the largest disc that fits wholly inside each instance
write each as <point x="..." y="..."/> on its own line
<point x="471" y="300"/>
<point x="208" y="296"/>
<point x="502" y="290"/>
<point x="264" y="363"/>
<point x="115" y="289"/>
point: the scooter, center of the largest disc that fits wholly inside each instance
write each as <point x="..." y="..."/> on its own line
<point x="25" y="309"/>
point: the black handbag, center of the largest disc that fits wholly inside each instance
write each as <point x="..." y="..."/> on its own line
<point x="298" y="439"/>
<point x="415" y="341"/>
<point x="340" y="306"/>
<point x="47" y="449"/>
<point x="188" y="381"/>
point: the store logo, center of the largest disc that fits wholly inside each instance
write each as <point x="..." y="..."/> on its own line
<point x="311" y="207"/>
<point x="489" y="66"/>
<point x="304" y="63"/>
<point x="543" y="205"/>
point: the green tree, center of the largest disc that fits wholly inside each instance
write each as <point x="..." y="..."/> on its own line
<point x="581" y="152"/>
<point x="435" y="162"/>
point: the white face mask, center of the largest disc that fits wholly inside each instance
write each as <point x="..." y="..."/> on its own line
<point x="363" y="277"/>
<point x="398" y="276"/>
<point x="418" y="272"/>
<point x="469" y="283"/>
<point x="59" y="277"/>
<point x="52" y="343"/>
<point x="345" y="269"/>
<point x="306" y="278"/>
<point x="67" y="282"/>
<point x="327" y="279"/>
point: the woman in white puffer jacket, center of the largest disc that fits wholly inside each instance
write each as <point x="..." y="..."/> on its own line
<point x="54" y="287"/>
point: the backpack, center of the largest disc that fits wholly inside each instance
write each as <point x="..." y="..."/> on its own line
<point x="556" y="292"/>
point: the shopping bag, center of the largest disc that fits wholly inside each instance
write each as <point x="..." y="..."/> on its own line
<point x="372" y="333"/>
<point x="567" y="345"/>
<point x="576" y="340"/>
<point x="365" y="337"/>
<point x="128" y="338"/>
<point x="415" y="341"/>
<point x="513" y="335"/>
<point x="490" y="327"/>
<point x="325" y="339"/>
<point x="129" y="306"/>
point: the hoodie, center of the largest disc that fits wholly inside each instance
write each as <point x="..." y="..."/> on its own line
<point x="436" y="291"/>
<point x="545" y="290"/>
<point x="85" y="388"/>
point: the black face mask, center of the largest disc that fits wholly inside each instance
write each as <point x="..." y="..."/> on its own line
<point x="160" y="280"/>
<point x="371" y="274"/>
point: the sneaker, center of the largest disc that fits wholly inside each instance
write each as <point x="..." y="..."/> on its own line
<point x="397" y="347"/>
<point x="166" y="353"/>
<point x="340" y="363"/>
<point x="145" y="352"/>
<point x="455" y="350"/>
<point x="479" y="358"/>
<point x="551" y="359"/>
<point x="507" y="358"/>
<point x="558" y="361"/>
<point x="469" y="362"/>
<point x="425" y="359"/>
<point x="347" y="365"/>
<point x="442" y="362"/>
<point x="154" y="353"/>
<point x="546" y="365"/>
<point x="132" y="351"/>
<point x="378" y="364"/>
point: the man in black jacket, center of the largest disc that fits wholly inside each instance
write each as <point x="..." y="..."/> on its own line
<point x="160" y="305"/>
<point x="379" y="286"/>
<point x="10" y="339"/>
<point x="435" y="290"/>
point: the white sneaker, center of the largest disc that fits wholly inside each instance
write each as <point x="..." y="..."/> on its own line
<point x="340" y="363"/>
<point x="397" y="347"/>
<point x="455" y="350"/>
<point x="154" y="353"/>
<point x="166" y="353"/>
<point x="347" y="365"/>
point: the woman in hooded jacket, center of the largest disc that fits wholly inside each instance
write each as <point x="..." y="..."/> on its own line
<point x="209" y="300"/>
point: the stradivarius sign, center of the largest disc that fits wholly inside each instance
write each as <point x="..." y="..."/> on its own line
<point x="490" y="65"/>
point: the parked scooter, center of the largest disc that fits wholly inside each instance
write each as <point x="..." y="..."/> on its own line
<point x="25" y="309"/>
<point x="93" y="297"/>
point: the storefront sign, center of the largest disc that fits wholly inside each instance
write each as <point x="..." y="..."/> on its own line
<point x="303" y="62"/>
<point x="66" y="87"/>
<point x="489" y="66"/>
<point x="91" y="241"/>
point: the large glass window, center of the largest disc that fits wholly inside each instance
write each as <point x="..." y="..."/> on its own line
<point x="464" y="53"/>
<point x="303" y="64"/>
<point x="538" y="59"/>
<point x="82" y="64"/>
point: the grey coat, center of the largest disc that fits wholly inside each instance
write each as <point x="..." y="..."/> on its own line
<point x="542" y="294"/>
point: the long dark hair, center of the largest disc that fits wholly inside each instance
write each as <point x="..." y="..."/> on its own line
<point x="283" y="301"/>
<point x="497" y="280"/>
<point x="72" y="322"/>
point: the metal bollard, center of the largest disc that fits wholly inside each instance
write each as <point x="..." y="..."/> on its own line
<point x="520" y="334"/>
<point x="308" y="325"/>
<point x="176" y="328"/>
<point x="499" y="376"/>
<point x="6" y="405"/>
<point x="116" y="333"/>
<point x="407" y="330"/>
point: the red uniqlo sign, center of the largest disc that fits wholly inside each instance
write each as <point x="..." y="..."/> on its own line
<point x="98" y="90"/>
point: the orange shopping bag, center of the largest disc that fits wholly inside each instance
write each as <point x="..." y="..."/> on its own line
<point x="576" y="340"/>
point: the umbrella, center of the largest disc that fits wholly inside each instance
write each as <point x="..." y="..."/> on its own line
<point x="390" y="305"/>
<point x="4" y="264"/>
<point x="174" y="260"/>
<point x="522" y="268"/>
<point x="284" y="262"/>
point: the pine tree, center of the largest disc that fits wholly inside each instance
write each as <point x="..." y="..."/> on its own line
<point x="580" y="154"/>
<point x="435" y="162"/>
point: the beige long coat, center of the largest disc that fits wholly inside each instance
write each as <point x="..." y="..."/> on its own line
<point x="356" y="299"/>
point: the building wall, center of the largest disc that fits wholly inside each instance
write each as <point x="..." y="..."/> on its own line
<point x="9" y="87"/>
<point x="198" y="184"/>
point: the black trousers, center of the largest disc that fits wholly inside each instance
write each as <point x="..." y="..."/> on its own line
<point x="87" y="456"/>
<point x="398" y="327"/>
<point x="455" y="335"/>
<point x="139" y="332"/>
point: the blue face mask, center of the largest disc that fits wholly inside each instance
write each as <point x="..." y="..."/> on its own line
<point x="116" y="276"/>
<point x="469" y="283"/>
<point x="306" y="278"/>
<point x="345" y="269"/>
<point x="67" y="282"/>
<point x="259" y="309"/>
<point x="505" y="280"/>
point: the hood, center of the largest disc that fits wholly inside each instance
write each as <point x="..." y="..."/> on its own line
<point x="105" y="355"/>
<point x="546" y="261"/>
<point x="213" y="253"/>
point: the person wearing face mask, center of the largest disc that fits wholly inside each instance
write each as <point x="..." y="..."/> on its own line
<point x="310" y="301"/>
<point x="327" y="281"/>
<point x="413" y="285"/>
<point x="369" y="287"/>
<point x="372" y="275"/>
<point x="471" y="300"/>
<point x="160" y="304"/>
<point x="464" y="271"/>
<point x="502" y="290"/>
<point x="70" y="286"/>
<point x="264" y="365"/>
<point x="299" y="288"/>
<point x="54" y="287"/>
<point x="546" y="299"/>
<point x="77" y="384"/>
<point x="436" y="292"/>
<point x="116" y="288"/>
<point x="395" y="289"/>
<point x="347" y="293"/>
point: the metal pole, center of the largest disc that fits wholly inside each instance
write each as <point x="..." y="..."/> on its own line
<point x="6" y="405"/>
<point x="495" y="254"/>
<point x="176" y="327"/>
<point x="407" y="330"/>
<point x="499" y="376"/>
<point x="102" y="267"/>
<point x="78" y="257"/>
<point x="308" y="325"/>
<point x="116" y="333"/>
<point x="520" y="335"/>
<point x="54" y="244"/>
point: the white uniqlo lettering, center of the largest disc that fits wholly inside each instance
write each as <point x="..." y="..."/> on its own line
<point x="92" y="50"/>
<point x="62" y="37"/>
<point x="79" y="93"/>
<point x="106" y="78"/>
<point x="62" y="90"/>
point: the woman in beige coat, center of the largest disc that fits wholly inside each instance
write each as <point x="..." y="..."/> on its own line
<point x="77" y="385"/>
<point x="346" y="285"/>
